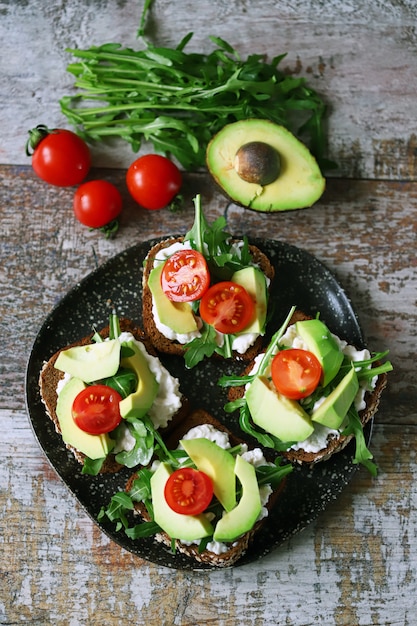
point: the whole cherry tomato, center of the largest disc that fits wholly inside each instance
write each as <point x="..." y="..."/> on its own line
<point x="59" y="156"/>
<point x="153" y="181"/>
<point x="97" y="203"/>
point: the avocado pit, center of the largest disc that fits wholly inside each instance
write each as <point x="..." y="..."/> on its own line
<point x="257" y="162"/>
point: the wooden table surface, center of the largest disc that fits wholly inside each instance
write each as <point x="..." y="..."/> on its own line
<point x="356" y="564"/>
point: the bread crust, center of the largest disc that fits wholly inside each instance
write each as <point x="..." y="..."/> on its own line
<point x="240" y="546"/>
<point x="50" y="376"/>
<point x="168" y="346"/>
<point x="334" y="444"/>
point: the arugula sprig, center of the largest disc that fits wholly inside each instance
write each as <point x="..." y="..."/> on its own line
<point x="178" y="100"/>
<point x="223" y="259"/>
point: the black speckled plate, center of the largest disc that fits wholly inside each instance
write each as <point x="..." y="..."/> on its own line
<point x="301" y="280"/>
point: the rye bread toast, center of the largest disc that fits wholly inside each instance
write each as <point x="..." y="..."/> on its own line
<point x="334" y="444"/>
<point x="234" y="550"/>
<point x="50" y="376"/>
<point x="169" y="346"/>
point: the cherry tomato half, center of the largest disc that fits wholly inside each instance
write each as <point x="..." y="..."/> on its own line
<point x="153" y="181"/>
<point x="96" y="409"/>
<point x="295" y="373"/>
<point x="188" y="491"/>
<point x="228" y="307"/>
<point x="185" y="276"/>
<point x="59" y="156"/>
<point x="97" y="203"/>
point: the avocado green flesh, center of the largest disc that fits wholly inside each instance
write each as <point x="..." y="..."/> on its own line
<point x="254" y="281"/>
<point x="138" y="403"/>
<point x="176" y="315"/>
<point x="91" y="362"/>
<point x="323" y="345"/>
<point x="176" y="525"/>
<point x="276" y="414"/>
<point x="300" y="182"/>
<point x="93" y="446"/>
<point x="218" y="464"/>
<point x="333" y="410"/>
<point x="242" y="518"/>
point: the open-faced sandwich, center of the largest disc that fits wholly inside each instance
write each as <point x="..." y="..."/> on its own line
<point x="309" y="393"/>
<point x="206" y="496"/>
<point x="109" y="396"/>
<point x="206" y="293"/>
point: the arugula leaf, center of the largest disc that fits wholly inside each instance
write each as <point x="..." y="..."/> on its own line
<point x="116" y="511"/>
<point x="362" y="454"/>
<point x="124" y="382"/>
<point x="92" y="467"/>
<point x="200" y="347"/>
<point x="273" y="475"/>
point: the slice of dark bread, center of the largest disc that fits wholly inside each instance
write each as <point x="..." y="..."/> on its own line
<point x="238" y="548"/>
<point x="50" y="376"/>
<point x="334" y="444"/>
<point x="168" y="346"/>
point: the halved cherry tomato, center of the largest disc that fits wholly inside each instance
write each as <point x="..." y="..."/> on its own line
<point x="59" y="156"/>
<point x="185" y="276"/>
<point x="97" y="203"/>
<point x="96" y="409"/>
<point x="228" y="307"/>
<point x="295" y="373"/>
<point x="153" y="181"/>
<point x="188" y="491"/>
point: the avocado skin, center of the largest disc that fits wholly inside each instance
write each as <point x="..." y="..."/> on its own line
<point x="300" y="182"/>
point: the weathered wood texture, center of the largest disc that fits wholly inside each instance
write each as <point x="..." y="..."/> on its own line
<point x="360" y="56"/>
<point x="357" y="563"/>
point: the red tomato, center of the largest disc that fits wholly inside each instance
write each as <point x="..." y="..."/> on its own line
<point x="185" y="276"/>
<point x="96" y="409"/>
<point x="188" y="491"/>
<point x="295" y="373"/>
<point x="59" y="156"/>
<point x="97" y="203"/>
<point x="153" y="181"/>
<point x="227" y="306"/>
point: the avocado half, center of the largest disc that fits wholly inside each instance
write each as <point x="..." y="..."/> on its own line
<point x="262" y="166"/>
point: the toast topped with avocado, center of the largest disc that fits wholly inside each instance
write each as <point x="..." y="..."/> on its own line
<point x="309" y="393"/>
<point x="206" y="497"/>
<point x="109" y="396"/>
<point x="206" y="294"/>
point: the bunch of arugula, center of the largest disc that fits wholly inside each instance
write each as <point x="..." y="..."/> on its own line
<point x="364" y="372"/>
<point x="122" y="504"/>
<point x="178" y="100"/>
<point x="141" y="429"/>
<point x="223" y="259"/>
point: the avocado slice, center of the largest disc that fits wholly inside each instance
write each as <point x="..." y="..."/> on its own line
<point x="242" y="518"/>
<point x="218" y="464"/>
<point x="140" y="401"/>
<point x="262" y="166"/>
<point x="91" y="362"/>
<point x="254" y="281"/>
<point x="333" y="410"/>
<point x="276" y="414"/>
<point x="176" y="525"/>
<point x="322" y="344"/>
<point x="93" y="446"/>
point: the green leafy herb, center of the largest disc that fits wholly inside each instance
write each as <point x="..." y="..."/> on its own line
<point x="178" y="100"/>
<point x="362" y="454"/>
<point x="92" y="466"/>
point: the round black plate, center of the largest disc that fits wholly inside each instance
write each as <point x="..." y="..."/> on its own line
<point x="301" y="280"/>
